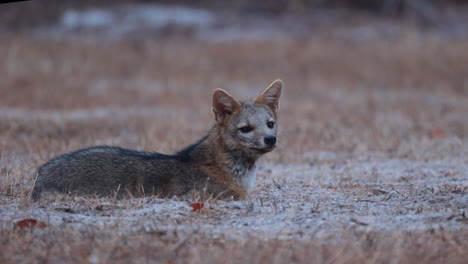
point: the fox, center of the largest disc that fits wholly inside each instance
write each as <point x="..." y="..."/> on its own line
<point x="220" y="165"/>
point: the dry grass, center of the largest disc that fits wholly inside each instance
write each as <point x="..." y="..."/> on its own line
<point x="371" y="166"/>
<point x="105" y="246"/>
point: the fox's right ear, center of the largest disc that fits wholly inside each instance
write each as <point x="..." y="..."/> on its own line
<point x="223" y="104"/>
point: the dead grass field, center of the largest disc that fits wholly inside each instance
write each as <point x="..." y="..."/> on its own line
<point x="371" y="168"/>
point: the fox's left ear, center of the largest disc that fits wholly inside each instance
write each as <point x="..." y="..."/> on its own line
<point x="271" y="95"/>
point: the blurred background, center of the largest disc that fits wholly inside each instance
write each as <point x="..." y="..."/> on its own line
<point x="360" y="76"/>
<point x="372" y="155"/>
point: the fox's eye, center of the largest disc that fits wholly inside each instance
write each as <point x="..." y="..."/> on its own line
<point x="245" y="129"/>
<point x="270" y="124"/>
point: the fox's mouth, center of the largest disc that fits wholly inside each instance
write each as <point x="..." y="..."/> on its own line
<point x="264" y="150"/>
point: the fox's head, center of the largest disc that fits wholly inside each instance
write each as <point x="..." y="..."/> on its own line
<point x="249" y="127"/>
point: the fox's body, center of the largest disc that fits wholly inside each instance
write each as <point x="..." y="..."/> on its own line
<point x="222" y="164"/>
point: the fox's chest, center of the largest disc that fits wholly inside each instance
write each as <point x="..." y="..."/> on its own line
<point x="244" y="175"/>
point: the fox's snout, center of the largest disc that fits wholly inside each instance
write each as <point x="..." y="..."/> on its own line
<point x="270" y="140"/>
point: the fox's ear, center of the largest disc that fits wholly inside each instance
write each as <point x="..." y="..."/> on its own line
<point x="271" y="95"/>
<point x="223" y="104"/>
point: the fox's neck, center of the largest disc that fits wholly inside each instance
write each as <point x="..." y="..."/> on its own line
<point x="221" y="151"/>
<point x="212" y="150"/>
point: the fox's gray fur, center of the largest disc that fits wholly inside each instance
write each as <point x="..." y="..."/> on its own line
<point x="222" y="164"/>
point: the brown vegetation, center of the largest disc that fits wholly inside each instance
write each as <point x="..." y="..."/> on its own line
<point x="371" y="166"/>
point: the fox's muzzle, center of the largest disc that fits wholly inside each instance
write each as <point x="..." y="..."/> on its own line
<point x="270" y="140"/>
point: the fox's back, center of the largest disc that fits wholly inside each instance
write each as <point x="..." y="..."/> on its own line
<point x="104" y="170"/>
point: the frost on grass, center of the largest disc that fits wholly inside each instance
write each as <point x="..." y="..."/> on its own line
<point x="289" y="201"/>
<point x="292" y="205"/>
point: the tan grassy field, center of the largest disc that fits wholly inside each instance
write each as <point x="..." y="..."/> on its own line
<point x="371" y="167"/>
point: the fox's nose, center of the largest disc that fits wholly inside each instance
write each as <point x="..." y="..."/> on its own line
<point x="270" y="140"/>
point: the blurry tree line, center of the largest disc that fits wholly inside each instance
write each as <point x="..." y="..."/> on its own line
<point x="378" y="7"/>
<point x="23" y="14"/>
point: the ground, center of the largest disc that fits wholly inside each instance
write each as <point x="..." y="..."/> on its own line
<point x="371" y="164"/>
